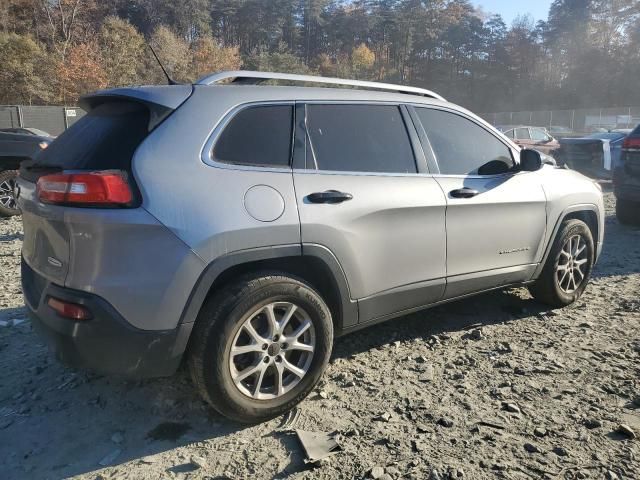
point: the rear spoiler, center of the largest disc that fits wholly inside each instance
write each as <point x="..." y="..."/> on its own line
<point x="160" y="99"/>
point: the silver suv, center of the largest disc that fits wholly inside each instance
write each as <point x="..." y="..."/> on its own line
<point x="241" y="227"/>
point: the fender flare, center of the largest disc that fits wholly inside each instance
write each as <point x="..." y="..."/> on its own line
<point x="567" y="211"/>
<point x="349" y="309"/>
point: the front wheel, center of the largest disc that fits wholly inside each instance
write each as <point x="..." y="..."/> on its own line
<point x="260" y="346"/>
<point x="568" y="267"/>
<point x="8" y="205"/>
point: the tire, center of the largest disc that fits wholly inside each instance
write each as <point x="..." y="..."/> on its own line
<point x="553" y="287"/>
<point x="221" y="326"/>
<point x="8" y="205"/>
<point x="628" y="212"/>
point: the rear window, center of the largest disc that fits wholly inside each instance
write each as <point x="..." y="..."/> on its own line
<point x="104" y="139"/>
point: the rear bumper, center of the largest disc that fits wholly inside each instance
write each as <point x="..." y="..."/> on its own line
<point x="106" y="343"/>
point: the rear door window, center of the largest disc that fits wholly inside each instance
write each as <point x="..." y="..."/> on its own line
<point x="539" y="135"/>
<point x="259" y="135"/>
<point x="460" y="145"/>
<point x="359" y="138"/>
<point x="522" y="134"/>
<point x="105" y="138"/>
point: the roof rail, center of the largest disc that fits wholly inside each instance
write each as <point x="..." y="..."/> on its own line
<point x="252" y="78"/>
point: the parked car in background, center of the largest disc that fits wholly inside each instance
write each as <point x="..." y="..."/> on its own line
<point x="27" y="131"/>
<point x="594" y="155"/>
<point x="298" y="214"/>
<point x="559" y="131"/>
<point x="533" y="137"/>
<point x="17" y="145"/>
<point x="626" y="180"/>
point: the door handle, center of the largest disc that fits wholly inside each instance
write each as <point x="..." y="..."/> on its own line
<point x="329" y="196"/>
<point x="464" y="193"/>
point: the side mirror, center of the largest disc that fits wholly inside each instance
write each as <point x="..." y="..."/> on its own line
<point x="530" y="160"/>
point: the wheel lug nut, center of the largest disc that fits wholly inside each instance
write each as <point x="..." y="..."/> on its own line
<point x="278" y="358"/>
<point x="284" y="346"/>
<point x="266" y="360"/>
<point x="265" y="346"/>
<point x="275" y="338"/>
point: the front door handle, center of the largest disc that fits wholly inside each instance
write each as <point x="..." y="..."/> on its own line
<point x="329" y="196"/>
<point x="464" y="193"/>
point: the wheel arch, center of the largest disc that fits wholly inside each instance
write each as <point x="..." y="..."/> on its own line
<point x="588" y="213"/>
<point x="313" y="263"/>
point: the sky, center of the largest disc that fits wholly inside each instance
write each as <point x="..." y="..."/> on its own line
<point x="509" y="9"/>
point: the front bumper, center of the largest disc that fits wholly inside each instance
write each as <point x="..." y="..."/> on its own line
<point x="106" y="343"/>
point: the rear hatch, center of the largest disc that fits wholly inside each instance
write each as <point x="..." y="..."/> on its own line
<point x="586" y="155"/>
<point x="100" y="145"/>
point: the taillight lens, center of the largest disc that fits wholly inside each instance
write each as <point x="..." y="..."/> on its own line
<point x="109" y="187"/>
<point x="631" y="143"/>
<point x="69" y="310"/>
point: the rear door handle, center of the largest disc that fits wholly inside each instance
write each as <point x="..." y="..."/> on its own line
<point x="329" y="196"/>
<point x="464" y="193"/>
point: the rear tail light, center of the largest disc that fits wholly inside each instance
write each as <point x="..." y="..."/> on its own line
<point x="631" y="143"/>
<point x="108" y="188"/>
<point x="69" y="310"/>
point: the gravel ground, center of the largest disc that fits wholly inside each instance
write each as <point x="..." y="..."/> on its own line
<point x="496" y="386"/>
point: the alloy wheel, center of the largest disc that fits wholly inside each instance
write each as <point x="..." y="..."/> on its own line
<point x="572" y="264"/>
<point x="7" y="198"/>
<point x="272" y="351"/>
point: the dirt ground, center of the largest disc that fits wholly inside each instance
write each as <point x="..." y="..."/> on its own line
<point x="496" y="386"/>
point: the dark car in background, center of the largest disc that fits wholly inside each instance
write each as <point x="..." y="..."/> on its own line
<point x="626" y="180"/>
<point x="17" y="145"/>
<point x="536" y="138"/>
<point x="594" y="155"/>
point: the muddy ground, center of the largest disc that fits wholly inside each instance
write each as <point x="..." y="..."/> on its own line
<point x="497" y="386"/>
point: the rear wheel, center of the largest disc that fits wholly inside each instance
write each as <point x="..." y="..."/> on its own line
<point x="260" y="346"/>
<point x="566" y="273"/>
<point x="628" y="212"/>
<point x="8" y="205"/>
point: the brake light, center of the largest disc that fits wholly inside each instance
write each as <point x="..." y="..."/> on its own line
<point x="69" y="310"/>
<point x="631" y="143"/>
<point x="108" y="187"/>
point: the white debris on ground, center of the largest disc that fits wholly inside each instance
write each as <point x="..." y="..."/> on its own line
<point x="496" y="386"/>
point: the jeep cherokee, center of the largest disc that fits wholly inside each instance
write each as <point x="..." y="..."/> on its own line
<point x="241" y="227"/>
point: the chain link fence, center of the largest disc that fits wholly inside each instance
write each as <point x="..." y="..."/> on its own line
<point x="580" y="121"/>
<point x="53" y="120"/>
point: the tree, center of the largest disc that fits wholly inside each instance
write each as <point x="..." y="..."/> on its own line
<point x="362" y="60"/>
<point x="281" y="60"/>
<point x="80" y="72"/>
<point x="209" y="57"/>
<point x="122" y="50"/>
<point x="24" y="66"/>
<point x="174" y="53"/>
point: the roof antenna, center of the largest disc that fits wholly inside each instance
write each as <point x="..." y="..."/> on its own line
<point x="170" y="80"/>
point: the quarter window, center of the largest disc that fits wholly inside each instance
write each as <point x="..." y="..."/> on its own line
<point x="359" y="138"/>
<point x="460" y="145"/>
<point x="259" y="135"/>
